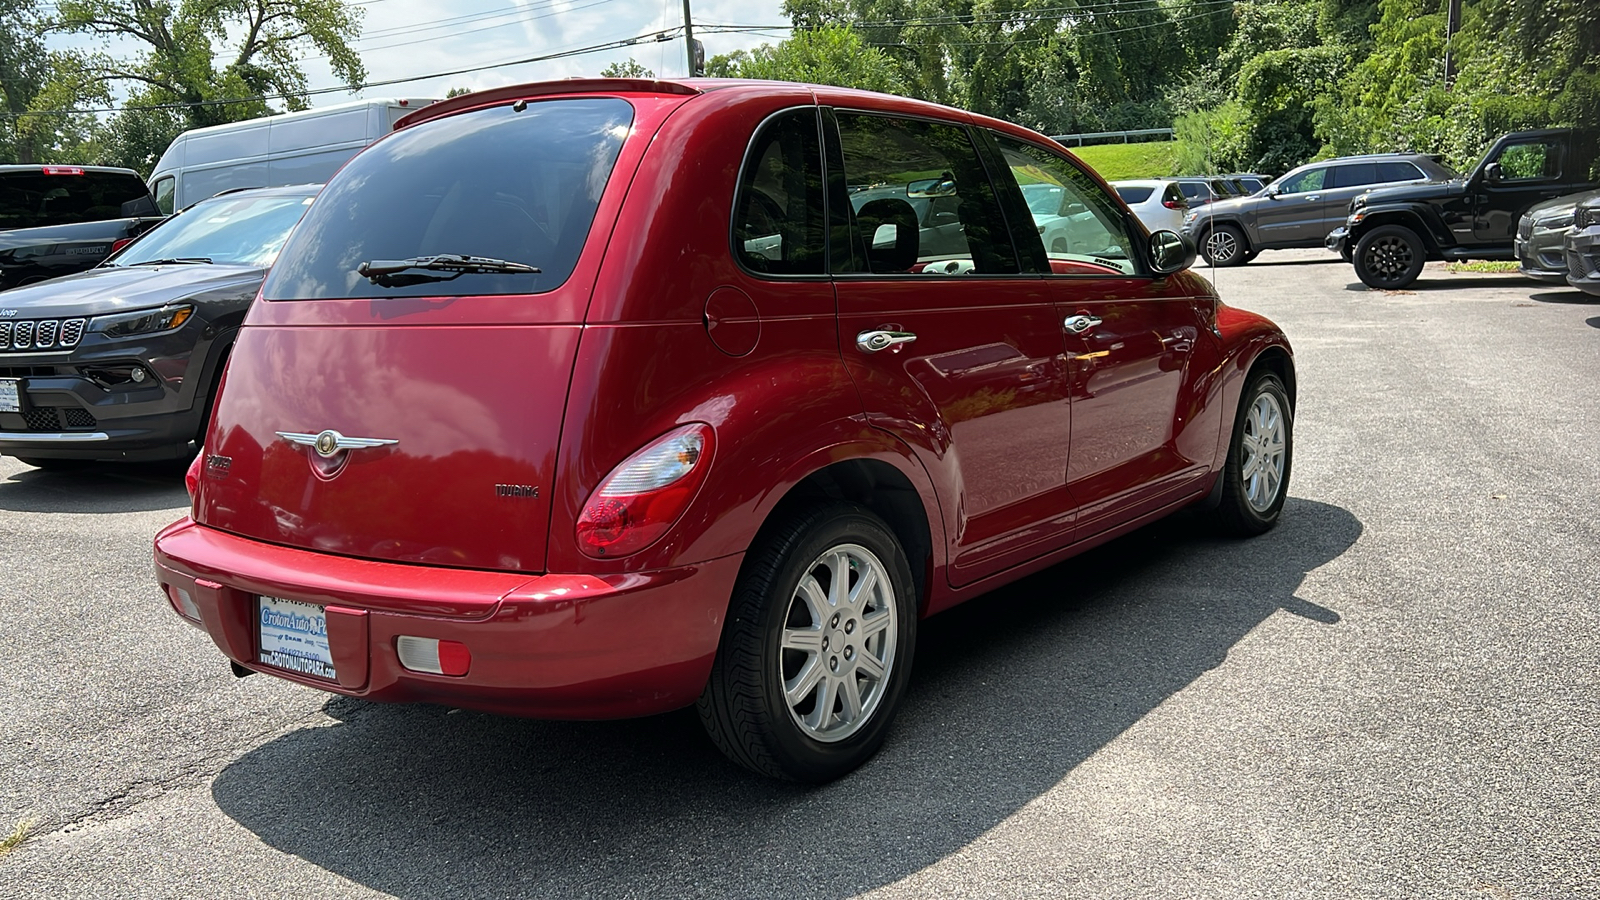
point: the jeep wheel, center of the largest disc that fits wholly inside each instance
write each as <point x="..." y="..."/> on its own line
<point x="1225" y="246"/>
<point x="817" y="647"/>
<point x="1389" y="257"/>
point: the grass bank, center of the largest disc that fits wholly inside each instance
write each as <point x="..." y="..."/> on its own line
<point x="1114" y="162"/>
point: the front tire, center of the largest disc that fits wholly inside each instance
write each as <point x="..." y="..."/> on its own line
<point x="1389" y="257"/>
<point x="1225" y="246"/>
<point x="1255" y="476"/>
<point x="816" y="651"/>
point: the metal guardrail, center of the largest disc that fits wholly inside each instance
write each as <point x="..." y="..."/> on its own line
<point x="1110" y="137"/>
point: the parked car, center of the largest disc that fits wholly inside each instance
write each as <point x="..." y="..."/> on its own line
<point x="591" y="399"/>
<point x="57" y="220"/>
<point x="1251" y="181"/>
<point x="1390" y="232"/>
<point x="1298" y="209"/>
<point x="304" y="147"/>
<point x="1158" y="202"/>
<point x="1539" y="247"/>
<point x="1200" y="190"/>
<point x="121" y="362"/>
<point x="1582" y="245"/>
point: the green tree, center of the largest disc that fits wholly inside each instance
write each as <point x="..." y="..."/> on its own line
<point x="830" y="54"/>
<point x="24" y="67"/>
<point x="630" y="69"/>
<point x="214" y="61"/>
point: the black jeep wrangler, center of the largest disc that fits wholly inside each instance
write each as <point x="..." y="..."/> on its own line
<point x="1390" y="232"/>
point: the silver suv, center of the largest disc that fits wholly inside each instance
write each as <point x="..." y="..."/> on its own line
<point x="1299" y="209"/>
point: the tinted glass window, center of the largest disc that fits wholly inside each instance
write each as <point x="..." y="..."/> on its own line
<point x="1083" y="227"/>
<point x="244" y="230"/>
<point x="1531" y="161"/>
<point x="1399" y="171"/>
<point x="520" y="186"/>
<point x="1194" y="190"/>
<point x="32" y="199"/>
<point x="1353" y="175"/>
<point x="1173" y="197"/>
<point x="778" y="224"/>
<point x="1309" y="180"/>
<point x="1135" y="194"/>
<point x="920" y="195"/>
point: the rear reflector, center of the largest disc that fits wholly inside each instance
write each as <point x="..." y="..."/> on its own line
<point x="435" y="657"/>
<point x="183" y="603"/>
<point x="62" y="170"/>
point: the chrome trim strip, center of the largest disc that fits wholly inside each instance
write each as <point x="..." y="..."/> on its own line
<point x="64" y="437"/>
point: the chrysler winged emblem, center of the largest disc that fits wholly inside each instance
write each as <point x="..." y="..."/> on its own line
<point x="330" y="442"/>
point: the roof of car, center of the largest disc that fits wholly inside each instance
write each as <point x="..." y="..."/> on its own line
<point x="1142" y="182"/>
<point x="40" y="167"/>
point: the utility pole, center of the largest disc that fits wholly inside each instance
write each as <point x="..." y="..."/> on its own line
<point x="688" y="38"/>
<point x="1452" y="25"/>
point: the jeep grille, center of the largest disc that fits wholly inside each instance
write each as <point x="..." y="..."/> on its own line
<point x="41" y="334"/>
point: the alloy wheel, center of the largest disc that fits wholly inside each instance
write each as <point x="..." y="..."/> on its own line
<point x="838" y="643"/>
<point x="1221" y="246"/>
<point x="1265" y="442"/>
<point x="1389" y="258"/>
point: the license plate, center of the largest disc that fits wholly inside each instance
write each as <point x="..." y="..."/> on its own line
<point x="10" y="395"/>
<point x="294" y="637"/>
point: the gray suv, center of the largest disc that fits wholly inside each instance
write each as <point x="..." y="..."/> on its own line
<point x="1299" y="209"/>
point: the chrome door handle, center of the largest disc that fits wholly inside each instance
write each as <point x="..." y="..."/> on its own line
<point x="1312" y="197"/>
<point x="873" y="341"/>
<point x="1080" y="324"/>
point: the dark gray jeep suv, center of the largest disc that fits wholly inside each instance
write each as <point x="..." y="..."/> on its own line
<point x="1300" y="208"/>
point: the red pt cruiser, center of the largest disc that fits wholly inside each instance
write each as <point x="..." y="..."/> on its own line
<point x="602" y="398"/>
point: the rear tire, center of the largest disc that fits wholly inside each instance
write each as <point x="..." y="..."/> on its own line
<point x="1225" y="245"/>
<point x="1255" y="476"/>
<point x="1389" y="257"/>
<point x="817" y="648"/>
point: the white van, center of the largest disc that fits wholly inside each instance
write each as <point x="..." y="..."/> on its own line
<point x="292" y="148"/>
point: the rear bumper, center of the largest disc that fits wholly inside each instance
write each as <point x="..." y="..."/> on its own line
<point x="549" y="646"/>
<point x="1583" y="259"/>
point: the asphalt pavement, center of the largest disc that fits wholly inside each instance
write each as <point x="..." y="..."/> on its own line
<point x="1394" y="694"/>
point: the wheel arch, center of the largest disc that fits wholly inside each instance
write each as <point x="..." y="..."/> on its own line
<point x="881" y="487"/>
<point x="1404" y="217"/>
<point x="1237" y="224"/>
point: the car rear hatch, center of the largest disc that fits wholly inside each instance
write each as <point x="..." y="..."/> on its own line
<point x="388" y="399"/>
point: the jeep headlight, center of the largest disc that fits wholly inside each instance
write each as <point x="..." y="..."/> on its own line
<point x="1555" y="223"/>
<point x="142" y="321"/>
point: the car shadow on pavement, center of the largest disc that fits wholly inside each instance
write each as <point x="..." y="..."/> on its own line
<point x="96" y="488"/>
<point x="1012" y="691"/>
<point x="1573" y="296"/>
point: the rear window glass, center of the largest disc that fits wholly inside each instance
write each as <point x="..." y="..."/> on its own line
<point x="519" y="186"/>
<point x="242" y="230"/>
<point x="32" y="199"/>
<point x="1398" y="171"/>
<point x="1135" y="194"/>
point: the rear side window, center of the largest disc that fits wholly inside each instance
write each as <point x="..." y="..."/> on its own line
<point x="515" y="185"/>
<point x="1194" y="190"/>
<point x="1399" y="171"/>
<point x="1131" y="195"/>
<point x="1353" y="175"/>
<point x="778" y="225"/>
<point x="33" y="199"/>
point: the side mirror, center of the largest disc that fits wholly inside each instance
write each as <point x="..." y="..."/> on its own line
<point x="1492" y="173"/>
<point x="1170" y="252"/>
<point x="1273" y="191"/>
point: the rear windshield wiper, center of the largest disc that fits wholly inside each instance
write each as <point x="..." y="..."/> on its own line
<point x="175" y="260"/>
<point x="388" y="272"/>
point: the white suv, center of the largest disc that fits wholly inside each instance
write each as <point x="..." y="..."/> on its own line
<point x="1158" y="202"/>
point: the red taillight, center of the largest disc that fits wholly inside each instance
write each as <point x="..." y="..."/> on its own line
<point x="644" y="496"/>
<point x="119" y="243"/>
<point x="191" y="478"/>
<point x="62" y="170"/>
<point x="1174" y="204"/>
